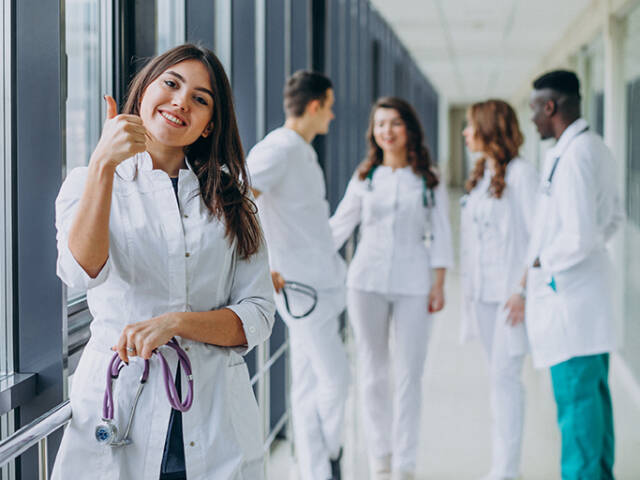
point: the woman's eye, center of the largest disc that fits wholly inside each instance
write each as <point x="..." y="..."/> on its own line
<point x="170" y="83"/>
<point x="201" y="100"/>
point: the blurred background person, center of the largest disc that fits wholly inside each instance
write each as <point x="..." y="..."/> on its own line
<point x="405" y="238"/>
<point x="496" y="222"/>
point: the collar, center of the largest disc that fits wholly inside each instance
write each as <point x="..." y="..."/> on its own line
<point x="569" y="134"/>
<point x="142" y="162"/>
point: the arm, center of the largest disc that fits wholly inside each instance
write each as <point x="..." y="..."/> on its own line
<point x="347" y="215"/>
<point x="436" y="295"/>
<point x="244" y="323"/>
<point x="83" y="223"/>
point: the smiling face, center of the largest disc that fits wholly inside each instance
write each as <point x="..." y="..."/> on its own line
<point x="176" y="108"/>
<point x="389" y="130"/>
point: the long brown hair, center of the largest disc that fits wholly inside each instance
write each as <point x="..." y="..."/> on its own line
<point x="218" y="159"/>
<point x="496" y="129"/>
<point x="417" y="154"/>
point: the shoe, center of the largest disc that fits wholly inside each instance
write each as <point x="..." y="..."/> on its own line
<point x="491" y="476"/>
<point x="402" y="475"/>
<point x="336" y="473"/>
<point x="380" y="468"/>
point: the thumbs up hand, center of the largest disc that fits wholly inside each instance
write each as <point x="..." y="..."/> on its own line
<point x="122" y="136"/>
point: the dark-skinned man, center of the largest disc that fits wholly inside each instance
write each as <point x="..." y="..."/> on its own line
<point x="569" y="312"/>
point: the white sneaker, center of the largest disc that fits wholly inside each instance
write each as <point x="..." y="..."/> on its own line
<point x="403" y="476"/>
<point x="380" y="467"/>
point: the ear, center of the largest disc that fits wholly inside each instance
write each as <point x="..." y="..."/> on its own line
<point x="313" y="106"/>
<point x="550" y="107"/>
<point x="207" y="130"/>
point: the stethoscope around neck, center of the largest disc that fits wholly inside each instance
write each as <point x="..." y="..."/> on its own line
<point x="106" y="433"/>
<point x="428" y="197"/>
<point x="546" y="186"/>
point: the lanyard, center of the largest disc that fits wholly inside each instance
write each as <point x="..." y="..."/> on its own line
<point x="427" y="193"/>
<point x="547" y="184"/>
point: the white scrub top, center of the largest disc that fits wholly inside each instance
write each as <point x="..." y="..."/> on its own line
<point x="575" y="217"/>
<point x="163" y="258"/>
<point x="391" y="257"/>
<point x="294" y="210"/>
<point x="494" y="239"/>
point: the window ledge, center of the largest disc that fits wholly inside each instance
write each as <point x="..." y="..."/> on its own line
<point x="15" y="390"/>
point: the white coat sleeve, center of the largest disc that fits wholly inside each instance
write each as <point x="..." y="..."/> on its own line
<point x="251" y="298"/>
<point x="347" y="215"/>
<point x="617" y="217"/>
<point x="68" y="269"/>
<point x="267" y="167"/>
<point x="576" y="206"/>
<point x="525" y="190"/>
<point x="441" y="254"/>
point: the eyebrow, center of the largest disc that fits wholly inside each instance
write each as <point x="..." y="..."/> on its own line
<point x="181" y="78"/>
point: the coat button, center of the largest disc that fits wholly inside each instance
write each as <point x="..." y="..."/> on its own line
<point x="252" y="329"/>
<point x="192" y="444"/>
<point x="186" y="216"/>
<point x="187" y="254"/>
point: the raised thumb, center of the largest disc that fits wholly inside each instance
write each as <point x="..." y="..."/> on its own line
<point x="112" y="108"/>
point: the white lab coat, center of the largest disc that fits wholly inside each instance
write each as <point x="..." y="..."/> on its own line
<point x="295" y="215"/>
<point x="148" y="273"/>
<point x="494" y="239"/>
<point x="574" y="219"/>
<point x="391" y="257"/>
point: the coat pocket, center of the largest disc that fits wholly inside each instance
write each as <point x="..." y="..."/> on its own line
<point x="245" y="415"/>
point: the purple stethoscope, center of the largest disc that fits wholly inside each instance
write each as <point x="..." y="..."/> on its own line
<point x="107" y="433"/>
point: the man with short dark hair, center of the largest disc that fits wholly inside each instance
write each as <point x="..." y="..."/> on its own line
<point x="569" y="313"/>
<point x="291" y="196"/>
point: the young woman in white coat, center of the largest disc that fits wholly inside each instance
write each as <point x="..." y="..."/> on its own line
<point x="396" y="279"/>
<point x="496" y="222"/>
<point x="161" y="231"/>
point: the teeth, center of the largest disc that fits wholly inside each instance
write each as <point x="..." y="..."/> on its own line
<point x="171" y="118"/>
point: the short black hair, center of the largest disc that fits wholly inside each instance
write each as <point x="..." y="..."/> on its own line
<point x="561" y="81"/>
<point x="303" y="87"/>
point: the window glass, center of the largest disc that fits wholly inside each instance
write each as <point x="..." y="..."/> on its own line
<point x="631" y="256"/>
<point x="594" y="88"/>
<point x="84" y="84"/>
<point x="6" y="336"/>
<point x="170" y="23"/>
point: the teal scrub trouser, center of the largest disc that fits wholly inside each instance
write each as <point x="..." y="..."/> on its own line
<point x="585" y="417"/>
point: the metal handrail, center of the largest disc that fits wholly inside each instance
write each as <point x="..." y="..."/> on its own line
<point x="25" y="438"/>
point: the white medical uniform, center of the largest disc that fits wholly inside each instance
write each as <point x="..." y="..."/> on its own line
<point x="295" y="216"/>
<point x="495" y="236"/>
<point x="575" y="216"/>
<point x="163" y="258"/>
<point x="388" y="283"/>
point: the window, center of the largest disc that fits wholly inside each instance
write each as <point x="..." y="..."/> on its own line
<point x="170" y="23"/>
<point x="85" y="86"/>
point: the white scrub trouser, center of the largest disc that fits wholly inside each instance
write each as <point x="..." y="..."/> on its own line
<point x="399" y="323"/>
<point x="507" y="390"/>
<point x="319" y="384"/>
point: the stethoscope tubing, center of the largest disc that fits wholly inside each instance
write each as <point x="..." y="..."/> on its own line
<point x="304" y="289"/>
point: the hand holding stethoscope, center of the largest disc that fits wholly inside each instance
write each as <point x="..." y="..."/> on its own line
<point x="288" y="287"/>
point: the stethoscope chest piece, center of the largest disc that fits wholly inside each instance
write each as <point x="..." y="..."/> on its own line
<point x="107" y="434"/>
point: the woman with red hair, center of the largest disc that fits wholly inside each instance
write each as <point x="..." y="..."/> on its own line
<point x="496" y="222"/>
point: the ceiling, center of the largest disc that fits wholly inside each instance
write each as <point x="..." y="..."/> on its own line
<point x="475" y="49"/>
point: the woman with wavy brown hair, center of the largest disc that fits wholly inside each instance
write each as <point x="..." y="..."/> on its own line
<point x="496" y="220"/>
<point x="401" y="206"/>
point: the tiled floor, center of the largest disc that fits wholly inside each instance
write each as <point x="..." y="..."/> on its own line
<point x="455" y="434"/>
